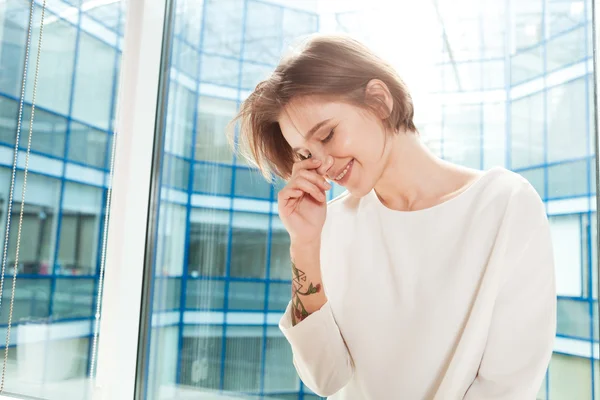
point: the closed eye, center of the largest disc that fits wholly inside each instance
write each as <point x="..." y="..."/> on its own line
<point x="329" y="137"/>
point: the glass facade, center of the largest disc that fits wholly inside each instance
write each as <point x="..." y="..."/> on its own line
<point x="512" y="85"/>
<point x="63" y="215"/>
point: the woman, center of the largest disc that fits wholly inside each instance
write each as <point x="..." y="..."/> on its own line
<point x="424" y="280"/>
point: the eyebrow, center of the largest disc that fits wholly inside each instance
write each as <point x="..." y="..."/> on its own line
<point x="313" y="130"/>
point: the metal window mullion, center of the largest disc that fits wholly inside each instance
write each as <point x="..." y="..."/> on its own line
<point x="132" y="213"/>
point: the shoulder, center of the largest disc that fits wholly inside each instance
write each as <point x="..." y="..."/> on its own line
<point x="521" y="204"/>
<point x="511" y="189"/>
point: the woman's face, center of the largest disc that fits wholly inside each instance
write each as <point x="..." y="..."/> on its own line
<point x="350" y="136"/>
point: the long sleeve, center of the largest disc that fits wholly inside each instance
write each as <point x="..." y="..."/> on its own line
<point x="320" y="354"/>
<point x="523" y="326"/>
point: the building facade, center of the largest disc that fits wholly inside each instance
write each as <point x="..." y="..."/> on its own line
<point x="512" y="86"/>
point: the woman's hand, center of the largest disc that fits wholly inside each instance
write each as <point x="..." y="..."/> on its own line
<point x="302" y="203"/>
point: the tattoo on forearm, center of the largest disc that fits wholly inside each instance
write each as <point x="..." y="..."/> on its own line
<point x="299" y="289"/>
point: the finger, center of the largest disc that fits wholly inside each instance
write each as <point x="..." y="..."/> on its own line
<point x="290" y="193"/>
<point x="310" y="188"/>
<point x="309" y="163"/>
<point x="314" y="178"/>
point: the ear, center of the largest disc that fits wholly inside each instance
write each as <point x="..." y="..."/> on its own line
<point x="378" y="94"/>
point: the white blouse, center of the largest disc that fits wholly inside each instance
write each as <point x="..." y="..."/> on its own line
<point x="456" y="301"/>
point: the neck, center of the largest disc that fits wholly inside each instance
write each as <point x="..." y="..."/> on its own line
<point x="414" y="176"/>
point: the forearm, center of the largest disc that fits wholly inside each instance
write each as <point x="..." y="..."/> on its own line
<point x="308" y="295"/>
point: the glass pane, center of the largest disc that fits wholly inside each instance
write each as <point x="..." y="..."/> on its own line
<point x="176" y="172"/>
<point x="208" y="239"/>
<point x="527" y="65"/>
<point x="567" y="130"/>
<point x="263" y="36"/>
<point x="79" y="229"/>
<point x="214" y="115"/>
<point x="280" y="251"/>
<point x="570" y="377"/>
<point x="567" y="49"/>
<point x="40" y="222"/>
<point x="249" y="238"/>
<point x="180" y="121"/>
<point x="280" y="375"/>
<point x="279" y="296"/>
<point x="563" y="15"/>
<point x="73" y="298"/>
<point x="56" y="295"/>
<point x="185" y="58"/>
<point x="494" y="135"/>
<point x="96" y="66"/>
<point x="220" y="70"/>
<point x="221" y="259"/>
<point x="568" y="179"/>
<point x="89" y="146"/>
<point x="504" y="96"/>
<point x="204" y="294"/>
<point x="246" y="296"/>
<point x="527" y="131"/>
<point x="573" y="318"/>
<point x="201" y="356"/>
<point x="249" y="182"/>
<point x="59" y="57"/>
<point x="243" y="349"/>
<point x="462" y="135"/>
<point x="212" y="179"/>
<point x="223" y="29"/>
<point x="527" y="23"/>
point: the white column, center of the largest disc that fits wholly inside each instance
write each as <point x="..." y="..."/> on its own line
<point x="136" y="115"/>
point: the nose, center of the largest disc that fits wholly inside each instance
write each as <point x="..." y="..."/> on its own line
<point x="325" y="165"/>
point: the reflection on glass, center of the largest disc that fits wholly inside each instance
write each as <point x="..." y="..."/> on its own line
<point x="249" y="244"/>
<point x="213" y="116"/>
<point x="59" y="258"/>
<point x="512" y="88"/>
<point x="527" y="131"/>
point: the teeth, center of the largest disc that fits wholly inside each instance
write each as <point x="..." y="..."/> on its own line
<point x="343" y="173"/>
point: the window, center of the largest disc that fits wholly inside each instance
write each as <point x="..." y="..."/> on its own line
<point x="567" y="49"/>
<point x="509" y="89"/>
<point x="564" y="15"/>
<point x="223" y="29"/>
<point x="263" y="36"/>
<point x="462" y="134"/>
<point x="567" y="131"/>
<point x="79" y="229"/>
<point x="94" y="81"/>
<point x="214" y="115"/>
<point x="494" y="134"/>
<point x="180" y="121"/>
<point x="56" y="290"/>
<point x="208" y="242"/>
<point x="527" y="131"/>
<point x="249" y="244"/>
<point x="89" y="146"/>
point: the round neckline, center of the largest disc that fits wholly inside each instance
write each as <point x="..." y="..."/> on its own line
<point x="444" y="204"/>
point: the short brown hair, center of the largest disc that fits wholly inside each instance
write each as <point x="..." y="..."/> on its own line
<point x="328" y="66"/>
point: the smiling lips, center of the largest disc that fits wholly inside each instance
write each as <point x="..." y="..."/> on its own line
<point x="342" y="174"/>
